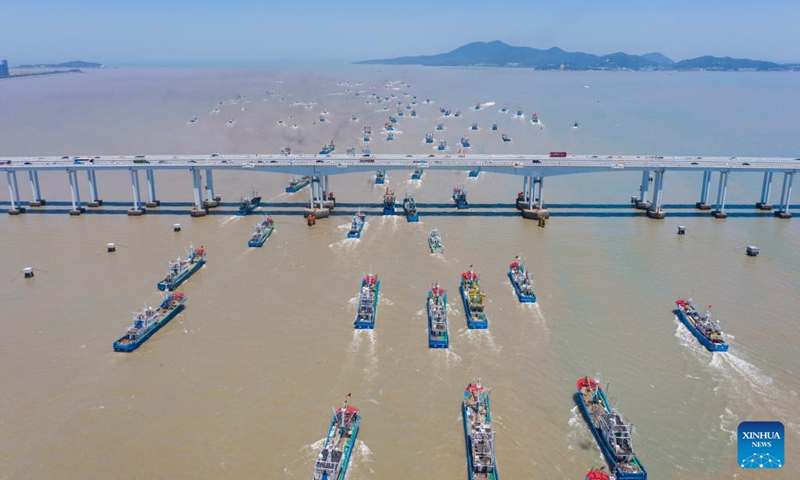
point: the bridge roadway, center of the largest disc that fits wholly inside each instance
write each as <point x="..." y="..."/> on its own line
<point x="533" y="169"/>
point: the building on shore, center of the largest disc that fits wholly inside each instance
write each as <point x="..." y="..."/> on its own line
<point x="4" y="69"/>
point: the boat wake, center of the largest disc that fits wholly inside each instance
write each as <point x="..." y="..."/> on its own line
<point x="575" y="423"/>
<point x="345" y="244"/>
<point x="362" y="457"/>
<point x="481" y="337"/>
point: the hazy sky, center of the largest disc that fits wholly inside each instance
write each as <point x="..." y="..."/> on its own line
<point x="161" y="32"/>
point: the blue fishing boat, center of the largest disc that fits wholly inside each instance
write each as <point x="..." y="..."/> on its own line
<point x="180" y="270"/>
<point x="477" y="106"/>
<point x="380" y="177"/>
<point x="460" y="197"/>
<point x="474" y="126"/>
<point x="478" y="433"/>
<point x="357" y="225"/>
<point x="535" y="119"/>
<point x="340" y="442"/>
<point x="417" y="174"/>
<point x="392" y="119"/>
<point x="261" y="233"/>
<point x="413" y="113"/>
<point x="368" y="302"/>
<point x="465" y="142"/>
<point x="505" y="137"/>
<point x="327" y="149"/>
<point x="366" y="139"/>
<point x="410" y="208"/>
<point x="149" y="321"/>
<point x="457" y="113"/>
<point x="389" y="126"/>
<point x="438" y="335"/>
<point x="519" y="112"/>
<point x="521" y="280"/>
<point x="442" y="146"/>
<point x="390" y="137"/>
<point x="298" y="183"/>
<point x="610" y="430"/>
<point x="440" y="126"/>
<point x="400" y="113"/>
<point x="473" y="298"/>
<point x="428" y="138"/>
<point x="388" y="202"/>
<point x="248" y="204"/>
<point x="504" y="109"/>
<point x="475" y="173"/>
<point x="494" y="127"/>
<point x="704" y="328"/>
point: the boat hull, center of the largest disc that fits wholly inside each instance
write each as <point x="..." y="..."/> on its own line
<point x="129" y="347"/>
<point x="298" y="187"/>
<point x="369" y="324"/>
<point x="411" y="218"/>
<point x="468" y="446"/>
<point x="261" y="240"/>
<point x="170" y="286"/>
<point x="357" y="233"/>
<point x="347" y="450"/>
<point x="438" y="341"/>
<point x="521" y="296"/>
<point x="711" y="347"/>
<point x="248" y="209"/>
<point x="473" y="322"/>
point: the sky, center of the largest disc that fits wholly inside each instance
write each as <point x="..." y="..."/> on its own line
<point x="204" y="32"/>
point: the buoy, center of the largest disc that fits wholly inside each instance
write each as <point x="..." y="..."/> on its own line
<point x="681" y="230"/>
<point x="28" y="271"/>
<point x="176" y="227"/>
<point x="111" y="247"/>
<point x="752" y="251"/>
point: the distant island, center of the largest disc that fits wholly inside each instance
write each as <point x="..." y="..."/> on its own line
<point x="499" y="54"/>
<point x="72" y="64"/>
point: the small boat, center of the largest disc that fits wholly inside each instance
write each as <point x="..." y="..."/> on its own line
<point x="231" y="123"/>
<point x="428" y="138"/>
<point x="427" y="100"/>
<point x="388" y="202"/>
<point x="392" y="119"/>
<point x="354" y="118"/>
<point x="478" y="433"/>
<point x="327" y="149"/>
<point x="366" y="138"/>
<point x="465" y="142"/>
<point x="597" y="474"/>
<point x="704" y="328"/>
<point x="474" y="126"/>
<point x="477" y="106"/>
<point x="460" y="197"/>
<point x="193" y="120"/>
<point x="505" y="137"/>
<point x="357" y="225"/>
<point x="504" y="109"/>
<point x="367" y="130"/>
<point x="610" y="430"/>
<point x="389" y="126"/>
<point x="287" y="150"/>
<point x="413" y="113"/>
<point x="535" y="119"/>
<point x="340" y="442"/>
<point x="519" y="112"/>
<point x="380" y="177"/>
<point x="473" y="298"/>
<point x="390" y="138"/>
<point x="180" y="270"/>
<point x="249" y="203"/>
<point x="575" y="125"/>
<point x="457" y="114"/>
<point x="442" y="145"/>
<point x="400" y="113"/>
<point x="262" y="232"/>
<point x="298" y="183"/>
<point x="149" y="321"/>
<point x="438" y="335"/>
<point x="410" y="208"/>
<point x="417" y="174"/>
<point x="474" y="173"/>
<point x="321" y="118"/>
<point x="494" y="127"/>
<point x="435" y="241"/>
<point x="440" y="126"/>
<point x="368" y="302"/>
<point x="521" y="280"/>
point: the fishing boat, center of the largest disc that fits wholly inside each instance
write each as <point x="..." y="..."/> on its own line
<point x="400" y="113"/>
<point x="366" y="139"/>
<point x="521" y="280"/>
<point x="368" y="302"/>
<point x="410" y="208"/>
<point x="435" y="241"/>
<point x="474" y="173"/>
<point x="392" y="119"/>
<point x="465" y="142"/>
<point x="287" y="150"/>
<point x="704" y="328"/>
<point x="261" y="233"/>
<point x="612" y="433"/>
<point x="519" y="112"/>
<point x="340" y="442"/>
<point x="460" y="197"/>
<point x="478" y="433"/>
<point x="477" y="106"/>
<point x="440" y="126"/>
<point x="357" y="225"/>
<point x="597" y="474"/>
<point x="327" y="149"/>
<point x="417" y="174"/>
<point x="298" y="183"/>
<point x="388" y="202"/>
<point x="474" y="126"/>
<point x="457" y="113"/>
<point x="389" y="126"/>
<point x="149" y="321"/>
<point x="575" y="125"/>
<point x="473" y="298"/>
<point x="504" y="109"/>
<point x="428" y="138"/>
<point x="380" y="177"/>
<point x="413" y="113"/>
<point x="438" y="336"/>
<point x="535" y="119"/>
<point x="494" y="127"/>
<point x="505" y="137"/>
<point x="442" y="145"/>
<point x="193" y="120"/>
<point x="321" y="118"/>
<point x="180" y="270"/>
<point x="249" y="203"/>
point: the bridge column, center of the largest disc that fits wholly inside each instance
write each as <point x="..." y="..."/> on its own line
<point x="719" y="209"/>
<point x="36" y="199"/>
<point x="199" y="209"/>
<point x="521" y="201"/>
<point x="766" y="189"/>
<point x="151" y="189"/>
<point x="703" y="203"/>
<point x="642" y="203"/>
<point x="532" y="192"/>
<point x="655" y="210"/>
<point x="13" y="194"/>
<point x="316" y="202"/>
<point x="328" y="200"/>
<point x="786" y="195"/>
<point x="536" y="210"/>
<point x="75" y="192"/>
<point x="211" y="199"/>
<point x="137" y="199"/>
<point x="93" y="200"/>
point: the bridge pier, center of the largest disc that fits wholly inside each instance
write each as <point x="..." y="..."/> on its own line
<point x="137" y="199"/>
<point x="703" y="203"/>
<point x="93" y="200"/>
<point x="36" y="199"/>
<point x="212" y="200"/>
<point x="655" y="210"/>
<point x="521" y="196"/>
<point x="199" y="209"/>
<point x="536" y="210"/>
<point x="316" y="202"/>
<point x="13" y="194"/>
<point x="151" y="189"/>
<point x="786" y="195"/>
<point x="719" y="209"/>
<point x="642" y="203"/>
<point x="766" y="189"/>
<point x="75" y="192"/>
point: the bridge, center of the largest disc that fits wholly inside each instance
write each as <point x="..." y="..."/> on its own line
<point x="533" y="169"/>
